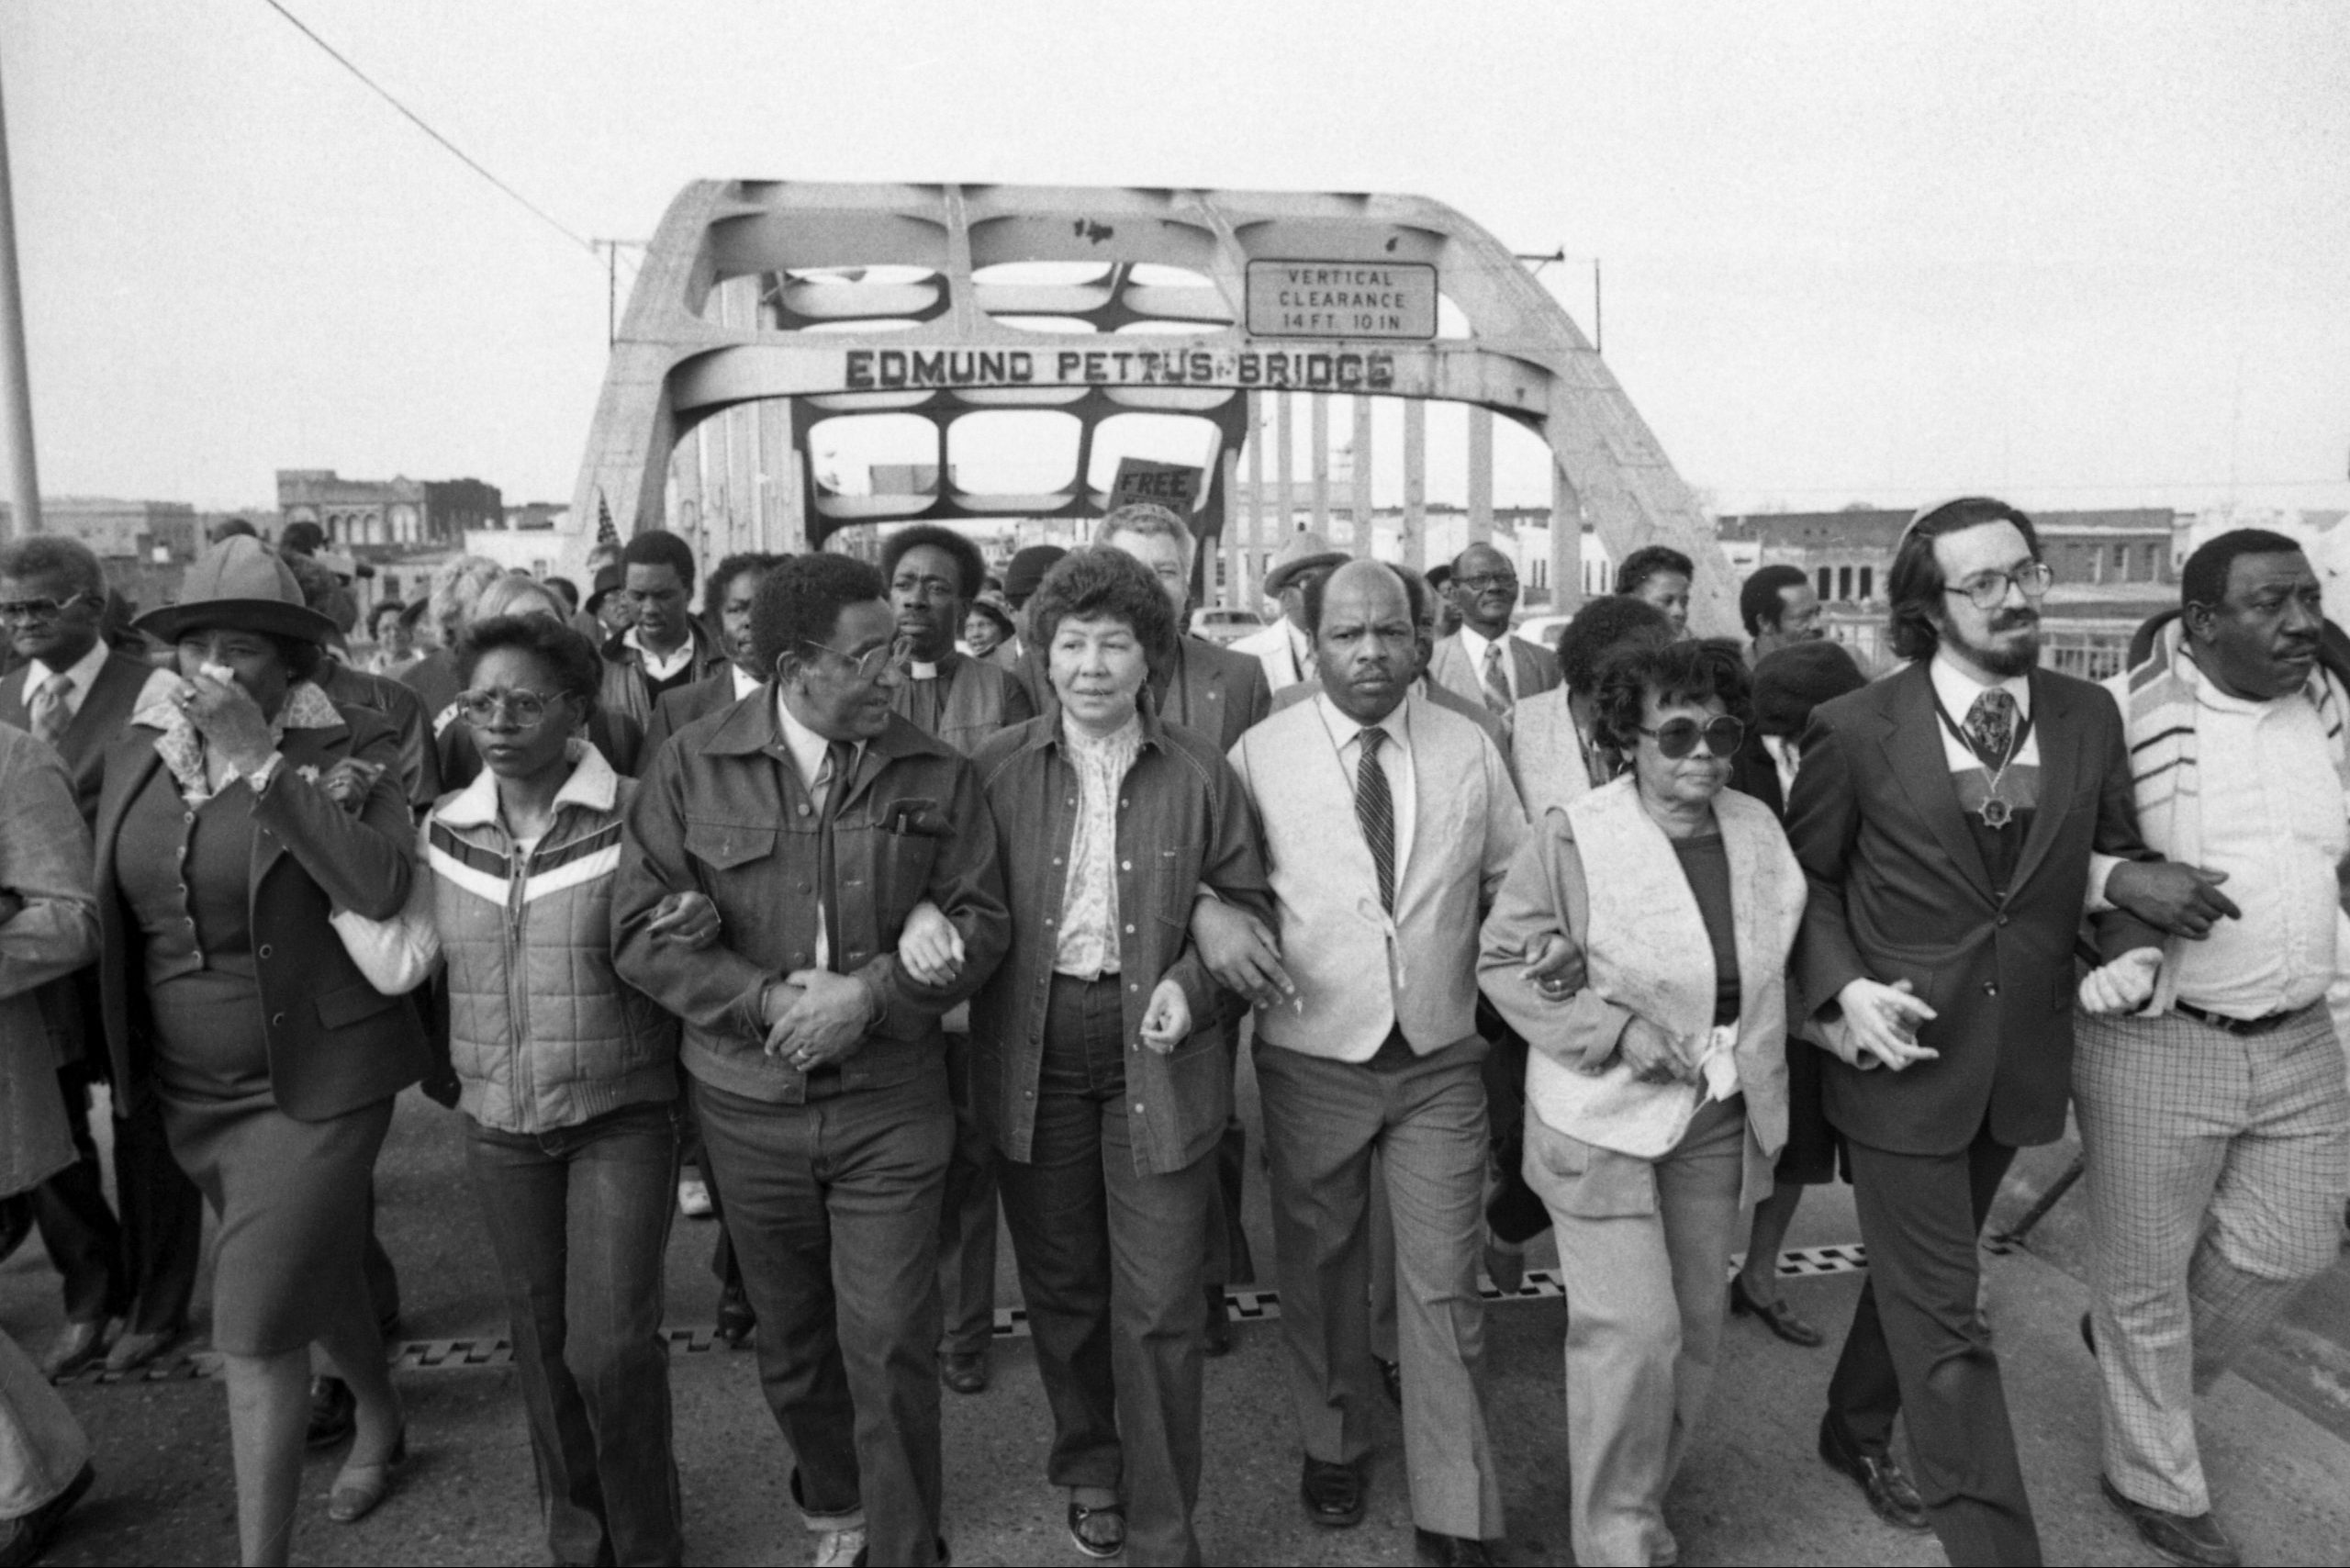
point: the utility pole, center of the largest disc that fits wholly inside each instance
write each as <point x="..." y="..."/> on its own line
<point x="610" y="249"/>
<point x="16" y="380"/>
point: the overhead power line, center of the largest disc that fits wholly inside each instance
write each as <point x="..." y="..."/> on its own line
<point x="417" y="120"/>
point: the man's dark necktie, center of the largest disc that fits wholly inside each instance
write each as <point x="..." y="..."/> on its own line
<point x="841" y="763"/>
<point x="48" y="712"/>
<point x="1375" y="810"/>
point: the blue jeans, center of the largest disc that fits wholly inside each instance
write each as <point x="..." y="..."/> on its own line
<point x="579" y="1219"/>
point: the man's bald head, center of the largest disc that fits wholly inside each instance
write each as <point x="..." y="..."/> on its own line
<point x="1365" y="644"/>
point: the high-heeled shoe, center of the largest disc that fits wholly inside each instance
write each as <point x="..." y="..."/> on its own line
<point x="359" y="1489"/>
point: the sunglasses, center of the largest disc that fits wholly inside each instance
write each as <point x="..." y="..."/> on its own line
<point x="1676" y="738"/>
<point x="482" y="707"/>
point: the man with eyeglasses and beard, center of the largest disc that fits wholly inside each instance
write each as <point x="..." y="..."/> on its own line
<point x="814" y="819"/>
<point x="77" y="694"/>
<point x="1954" y="821"/>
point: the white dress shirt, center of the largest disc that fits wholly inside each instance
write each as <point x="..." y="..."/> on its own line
<point x="744" y="684"/>
<point x="661" y="666"/>
<point x="1395" y="760"/>
<point x="812" y="755"/>
<point x="2276" y="819"/>
<point x="83" y="672"/>
<point x="1474" y="647"/>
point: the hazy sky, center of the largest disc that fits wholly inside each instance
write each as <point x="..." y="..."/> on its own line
<point x="2077" y="254"/>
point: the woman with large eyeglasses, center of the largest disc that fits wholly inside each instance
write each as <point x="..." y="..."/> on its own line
<point x="567" y="1076"/>
<point x="1641" y="945"/>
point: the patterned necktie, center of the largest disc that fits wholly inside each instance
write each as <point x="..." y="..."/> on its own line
<point x="48" y="714"/>
<point x="840" y="761"/>
<point x="1991" y="726"/>
<point x="1497" y="696"/>
<point x="1375" y="812"/>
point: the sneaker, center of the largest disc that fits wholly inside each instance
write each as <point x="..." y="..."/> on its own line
<point x="840" y="1547"/>
<point x="693" y="1198"/>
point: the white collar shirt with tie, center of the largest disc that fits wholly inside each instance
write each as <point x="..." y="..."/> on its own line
<point x="83" y="673"/>
<point x="1956" y="690"/>
<point x="1475" y="647"/>
<point x="1395" y="760"/>
<point x="811" y="753"/>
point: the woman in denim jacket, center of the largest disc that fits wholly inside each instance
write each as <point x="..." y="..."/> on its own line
<point x="569" y="1079"/>
<point x="1101" y="1062"/>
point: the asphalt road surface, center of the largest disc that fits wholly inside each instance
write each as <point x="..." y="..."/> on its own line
<point x="1754" y="1490"/>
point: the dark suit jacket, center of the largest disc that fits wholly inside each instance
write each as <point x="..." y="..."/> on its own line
<point x="104" y="713"/>
<point x="399" y="707"/>
<point x="682" y="707"/>
<point x="1753" y="773"/>
<point x="1899" y="892"/>
<point x="335" y="1042"/>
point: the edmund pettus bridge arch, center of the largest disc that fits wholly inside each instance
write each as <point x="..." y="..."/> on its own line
<point x="765" y="309"/>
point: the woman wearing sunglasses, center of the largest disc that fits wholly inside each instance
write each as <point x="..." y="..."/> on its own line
<point x="567" y="1076"/>
<point x="1641" y="944"/>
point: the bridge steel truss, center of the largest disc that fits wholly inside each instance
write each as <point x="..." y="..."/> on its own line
<point x="807" y="300"/>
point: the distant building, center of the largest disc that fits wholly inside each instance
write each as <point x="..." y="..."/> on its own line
<point x="120" y="531"/>
<point x="532" y="516"/>
<point x="398" y="516"/>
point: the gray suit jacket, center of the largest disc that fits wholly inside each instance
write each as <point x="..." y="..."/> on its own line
<point x="1535" y="669"/>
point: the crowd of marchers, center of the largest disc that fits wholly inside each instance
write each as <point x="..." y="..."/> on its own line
<point x="865" y="905"/>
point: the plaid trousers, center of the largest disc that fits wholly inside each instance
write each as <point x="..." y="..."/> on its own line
<point x="2217" y="1168"/>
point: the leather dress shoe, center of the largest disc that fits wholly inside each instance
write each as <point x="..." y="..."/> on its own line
<point x="1217" y="1340"/>
<point x="737" y="1321"/>
<point x="1776" y="1315"/>
<point x="26" y="1537"/>
<point x="1332" y="1494"/>
<point x="1876" y="1473"/>
<point x="1391" y="1378"/>
<point x="78" y="1346"/>
<point x="334" y="1412"/>
<point x="1449" y="1550"/>
<point x="135" y="1350"/>
<point x="2192" y="1539"/>
<point x="965" y="1372"/>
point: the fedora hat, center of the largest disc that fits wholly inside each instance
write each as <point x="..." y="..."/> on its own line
<point x="1303" y="551"/>
<point x="238" y="585"/>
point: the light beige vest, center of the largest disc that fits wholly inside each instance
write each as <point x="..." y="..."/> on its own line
<point x="1646" y="951"/>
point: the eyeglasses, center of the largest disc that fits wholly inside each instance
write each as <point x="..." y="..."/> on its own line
<point x="1676" y="738"/>
<point x="42" y="609"/>
<point x="483" y="707"/>
<point x="1487" y="583"/>
<point x="1988" y="590"/>
<point x="873" y="661"/>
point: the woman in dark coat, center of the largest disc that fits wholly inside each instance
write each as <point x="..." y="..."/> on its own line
<point x="226" y="834"/>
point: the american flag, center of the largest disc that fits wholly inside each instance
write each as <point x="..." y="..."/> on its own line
<point x="605" y="532"/>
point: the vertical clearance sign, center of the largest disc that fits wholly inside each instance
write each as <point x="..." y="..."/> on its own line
<point x="1341" y="299"/>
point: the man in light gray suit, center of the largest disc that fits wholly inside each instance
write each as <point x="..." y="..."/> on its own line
<point x="1389" y="822"/>
<point x="1482" y="661"/>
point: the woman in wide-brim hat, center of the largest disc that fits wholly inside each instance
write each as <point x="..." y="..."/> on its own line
<point x="226" y="836"/>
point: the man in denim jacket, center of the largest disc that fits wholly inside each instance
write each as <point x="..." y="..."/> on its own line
<point x="814" y="821"/>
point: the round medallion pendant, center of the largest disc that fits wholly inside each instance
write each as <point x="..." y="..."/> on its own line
<point x="1997" y="813"/>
